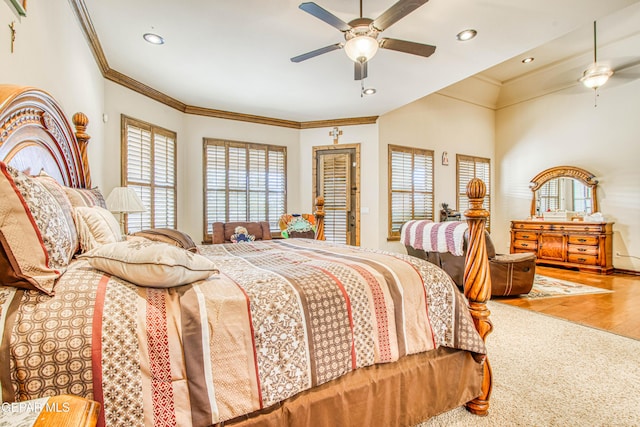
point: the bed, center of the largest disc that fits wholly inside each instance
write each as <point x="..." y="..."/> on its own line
<point x="290" y="332"/>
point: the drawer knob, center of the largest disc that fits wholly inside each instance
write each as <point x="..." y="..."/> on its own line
<point x="582" y="240"/>
<point x="526" y="236"/>
<point x="582" y="259"/>
<point x="525" y="244"/>
<point x="582" y="249"/>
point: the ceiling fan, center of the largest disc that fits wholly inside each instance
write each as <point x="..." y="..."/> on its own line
<point x="361" y="35"/>
<point x="598" y="73"/>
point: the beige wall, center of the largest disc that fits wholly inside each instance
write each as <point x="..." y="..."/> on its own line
<point x="564" y="128"/>
<point x="438" y="123"/>
<point x="367" y="137"/>
<point x="190" y="131"/>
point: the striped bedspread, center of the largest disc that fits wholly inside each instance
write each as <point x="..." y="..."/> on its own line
<point x="282" y="317"/>
<point x="432" y="236"/>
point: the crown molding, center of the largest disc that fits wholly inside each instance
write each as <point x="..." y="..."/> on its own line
<point x="351" y="121"/>
<point x="82" y="14"/>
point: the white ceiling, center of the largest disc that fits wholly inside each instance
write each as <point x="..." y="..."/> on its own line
<point x="234" y="55"/>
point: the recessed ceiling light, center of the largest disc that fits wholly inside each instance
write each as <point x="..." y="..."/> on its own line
<point x="528" y="59"/>
<point x="153" y="38"/>
<point x="465" y="35"/>
<point x="369" y="91"/>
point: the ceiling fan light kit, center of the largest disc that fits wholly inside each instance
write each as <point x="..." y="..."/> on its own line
<point x="596" y="76"/>
<point x="361" y="48"/>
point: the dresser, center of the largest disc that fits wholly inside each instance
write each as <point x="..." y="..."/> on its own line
<point x="581" y="245"/>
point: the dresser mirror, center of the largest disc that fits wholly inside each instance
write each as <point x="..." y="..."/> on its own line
<point x="564" y="189"/>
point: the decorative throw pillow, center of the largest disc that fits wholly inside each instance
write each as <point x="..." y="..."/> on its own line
<point x="57" y="191"/>
<point x="242" y="235"/>
<point x="169" y="235"/>
<point x="96" y="226"/>
<point x="29" y="232"/>
<point x="85" y="197"/>
<point x="150" y="264"/>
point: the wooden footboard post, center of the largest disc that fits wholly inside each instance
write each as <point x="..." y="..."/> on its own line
<point x="80" y="121"/>
<point x="477" y="282"/>
<point x="319" y="214"/>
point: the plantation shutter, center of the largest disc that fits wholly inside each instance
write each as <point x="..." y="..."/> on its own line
<point x="243" y="182"/>
<point x="410" y="186"/>
<point x="335" y="186"/>
<point x="150" y="170"/>
<point x="549" y="196"/>
<point x="469" y="167"/>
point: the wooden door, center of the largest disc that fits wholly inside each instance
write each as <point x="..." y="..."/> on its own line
<point x="336" y="178"/>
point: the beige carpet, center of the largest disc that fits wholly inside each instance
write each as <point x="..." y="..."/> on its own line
<point x="551" y="372"/>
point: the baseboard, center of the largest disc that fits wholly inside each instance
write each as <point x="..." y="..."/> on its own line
<point x="631" y="272"/>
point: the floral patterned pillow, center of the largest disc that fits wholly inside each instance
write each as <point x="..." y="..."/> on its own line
<point x="36" y="241"/>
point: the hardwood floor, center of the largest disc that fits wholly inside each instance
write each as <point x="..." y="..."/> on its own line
<point x="617" y="312"/>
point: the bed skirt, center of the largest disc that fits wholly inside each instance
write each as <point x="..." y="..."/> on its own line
<point x="403" y="393"/>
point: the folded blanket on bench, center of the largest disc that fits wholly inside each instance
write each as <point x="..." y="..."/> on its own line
<point x="432" y="236"/>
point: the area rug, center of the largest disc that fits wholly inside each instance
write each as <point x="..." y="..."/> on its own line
<point x="545" y="287"/>
<point x="552" y="372"/>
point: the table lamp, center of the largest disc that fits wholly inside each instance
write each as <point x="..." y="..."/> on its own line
<point x="124" y="200"/>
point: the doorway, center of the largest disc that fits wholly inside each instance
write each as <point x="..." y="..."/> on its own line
<point x="336" y="176"/>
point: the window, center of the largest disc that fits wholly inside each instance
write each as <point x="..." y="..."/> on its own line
<point x="469" y="167"/>
<point x="410" y="186"/>
<point x="149" y="154"/>
<point x="243" y="182"/>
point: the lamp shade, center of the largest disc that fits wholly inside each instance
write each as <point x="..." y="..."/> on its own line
<point x="124" y="200"/>
<point x="361" y="48"/>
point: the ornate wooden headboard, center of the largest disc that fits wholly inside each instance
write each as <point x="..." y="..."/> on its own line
<point x="35" y="134"/>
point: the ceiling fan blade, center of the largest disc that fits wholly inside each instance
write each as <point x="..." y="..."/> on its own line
<point x="414" y="48"/>
<point x="360" y="70"/>
<point x="316" y="52"/>
<point x="396" y="12"/>
<point x="325" y="15"/>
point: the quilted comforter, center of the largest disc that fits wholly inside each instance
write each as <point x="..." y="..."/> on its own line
<point x="281" y="317"/>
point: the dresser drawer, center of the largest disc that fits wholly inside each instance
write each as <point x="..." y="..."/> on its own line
<point x="583" y="259"/>
<point x="525" y="235"/>
<point x="583" y="240"/>
<point x="528" y="245"/>
<point x="583" y="249"/>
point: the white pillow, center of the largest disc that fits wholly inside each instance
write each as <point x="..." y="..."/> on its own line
<point x="96" y="226"/>
<point x="151" y="264"/>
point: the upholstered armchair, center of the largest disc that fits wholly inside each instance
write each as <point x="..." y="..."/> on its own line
<point x="511" y="274"/>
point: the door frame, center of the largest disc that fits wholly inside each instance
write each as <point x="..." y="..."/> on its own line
<point x="314" y="174"/>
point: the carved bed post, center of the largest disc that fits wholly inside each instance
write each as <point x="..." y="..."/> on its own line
<point x="477" y="283"/>
<point x="319" y="214"/>
<point x="80" y="121"/>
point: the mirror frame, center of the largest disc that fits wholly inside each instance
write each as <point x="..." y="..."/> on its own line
<point x="587" y="178"/>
